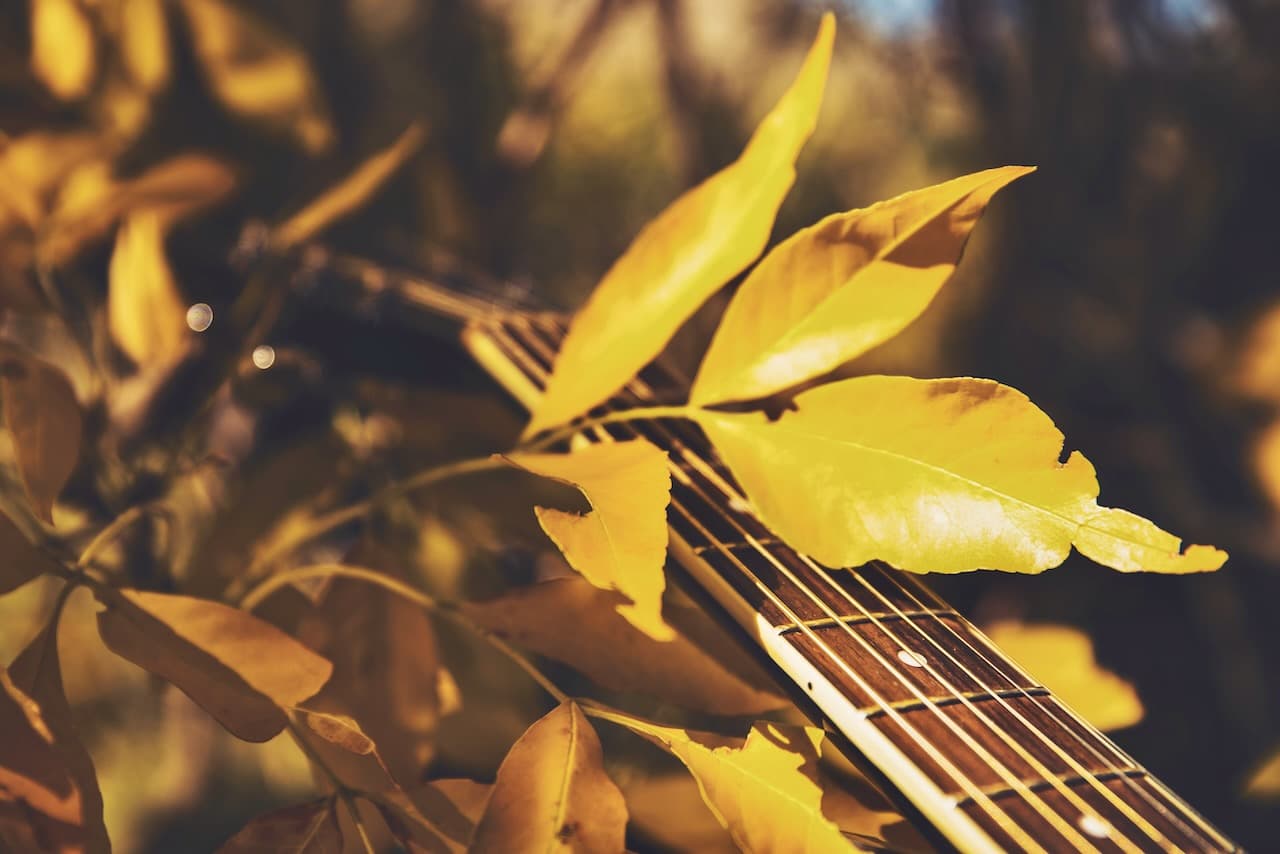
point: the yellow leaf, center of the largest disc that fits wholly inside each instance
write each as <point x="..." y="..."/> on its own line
<point x="682" y="257"/>
<point x="144" y="42"/>
<point x="1061" y="659"/>
<point x="256" y="73"/>
<point x="569" y="620"/>
<point x="239" y="669"/>
<point x="622" y="543"/>
<point x="145" y="312"/>
<point x="933" y="476"/>
<point x="1266" y="461"/>
<point x="765" y="791"/>
<point x="1264" y="782"/>
<point x="833" y="291"/>
<point x="552" y="793"/>
<point x="62" y="47"/>
<point x="41" y="412"/>
<point x="352" y="192"/>
<point x="172" y="189"/>
<point x="310" y="828"/>
<point x="21" y="560"/>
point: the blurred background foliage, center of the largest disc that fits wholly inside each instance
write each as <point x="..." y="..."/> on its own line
<point x="1129" y="288"/>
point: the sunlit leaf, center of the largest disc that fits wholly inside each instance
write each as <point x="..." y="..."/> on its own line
<point x="835" y="290"/>
<point x="552" y="793"/>
<point x="352" y="192"/>
<point x="239" y="669"/>
<point x="255" y="72"/>
<point x="41" y="411"/>
<point x="1266" y="461"/>
<point x="144" y="42"/>
<point x="21" y="561"/>
<point x="574" y="622"/>
<point x="705" y="237"/>
<point x="145" y="311"/>
<point x="341" y="730"/>
<point x="765" y="791"/>
<point x="669" y="810"/>
<point x="37" y="672"/>
<point x="310" y="828"/>
<point x="62" y="47"/>
<point x="622" y="543"/>
<point x="1264" y="782"/>
<point x="933" y="476"/>
<point x="1061" y="658"/>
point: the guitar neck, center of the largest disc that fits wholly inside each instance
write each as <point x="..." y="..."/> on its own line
<point x="989" y="757"/>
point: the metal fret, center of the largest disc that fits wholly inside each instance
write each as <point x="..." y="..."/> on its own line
<point x="855" y="619"/>
<point x="948" y="699"/>
<point x="1067" y="779"/>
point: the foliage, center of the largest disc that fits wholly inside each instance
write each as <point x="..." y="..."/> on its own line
<point x="930" y="475"/>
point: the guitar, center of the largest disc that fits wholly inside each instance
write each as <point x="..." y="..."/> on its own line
<point x="983" y="755"/>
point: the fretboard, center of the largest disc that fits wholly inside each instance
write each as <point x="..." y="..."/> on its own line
<point x="990" y="757"/>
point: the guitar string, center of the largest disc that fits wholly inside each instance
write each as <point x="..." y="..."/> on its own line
<point x="1003" y="817"/>
<point x="1089" y="776"/>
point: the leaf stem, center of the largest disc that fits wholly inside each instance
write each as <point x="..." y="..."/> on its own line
<point x="449" y="611"/>
<point x="568" y="431"/>
<point x="322" y="525"/>
<point x="109" y="533"/>
<point x="341" y="790"/>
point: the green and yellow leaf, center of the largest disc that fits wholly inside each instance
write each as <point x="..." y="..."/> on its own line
<point x="1061" y="658"/>
<point x="678" y="260"/>
<point x="41" y="411"/>
<point x="571" y="621"/>
<point x="833" y="291"/>
<point x="933" y="476"/>
<point x="764" y="791"/>
<point x="242" y="671"/>
<point x="621" y="544"/>
<point x="552" y="793"/>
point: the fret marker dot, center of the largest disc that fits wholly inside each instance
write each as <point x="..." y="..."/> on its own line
<point x="1094" y="826"/>
<point x="910" y="658"/>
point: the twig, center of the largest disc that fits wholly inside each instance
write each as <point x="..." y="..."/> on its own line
<point x="570" y="430"/>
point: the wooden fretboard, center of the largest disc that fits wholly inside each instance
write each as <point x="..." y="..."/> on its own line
<point x="988" y="756"/>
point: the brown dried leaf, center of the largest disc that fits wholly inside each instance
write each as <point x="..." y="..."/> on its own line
<point x="449" y="809"/>
<point x="37" y="672"/>
<point x="341" y="730"/>
<point x="552" y="793"/>
<point x="21" y="560"/>
<point x="310" y="828"/>
<point x="41" y="411"/>
<point x="571" y="621"/>
<point x="240" y="669"/>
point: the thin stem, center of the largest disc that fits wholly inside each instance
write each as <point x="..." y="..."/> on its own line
<point x="341" y="790"/>
<point x="259" y="594"/>
<point x="570" y="430"/>
<point x="109" y="533"/>
<point x="322" y="525"/>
